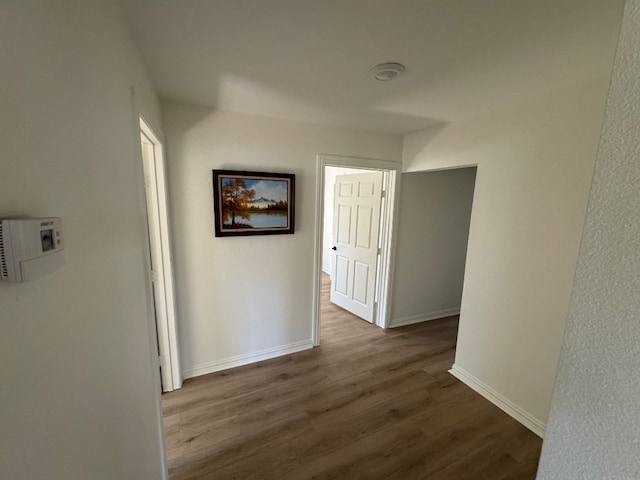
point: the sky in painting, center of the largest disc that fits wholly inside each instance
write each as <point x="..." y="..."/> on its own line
<point x="269" y="189"/>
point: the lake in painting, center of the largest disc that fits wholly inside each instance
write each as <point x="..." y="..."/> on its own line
<point x="264" y="220"/>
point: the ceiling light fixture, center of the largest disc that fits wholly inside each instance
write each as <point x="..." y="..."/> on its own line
<point x="387" y="71"/>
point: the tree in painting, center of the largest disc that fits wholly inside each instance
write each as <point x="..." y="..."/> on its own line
<point x="235" y="198"/>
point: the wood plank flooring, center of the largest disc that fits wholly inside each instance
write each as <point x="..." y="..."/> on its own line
<point x="368" y="404"/>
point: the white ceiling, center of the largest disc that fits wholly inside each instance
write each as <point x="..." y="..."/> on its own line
<point x="308" y="59"/>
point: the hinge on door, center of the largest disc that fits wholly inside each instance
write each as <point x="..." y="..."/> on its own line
<point x="379" y="251"/>
<point x="161" y="360"/>
<point x="384" y="193"/>
<point x="154" y="276"/>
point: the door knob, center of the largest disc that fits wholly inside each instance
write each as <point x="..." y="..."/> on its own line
<point x="334" y="248"/>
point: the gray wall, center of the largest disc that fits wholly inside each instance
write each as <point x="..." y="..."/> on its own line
<point x="594" y="424"/>
<point x="433" y="229"/>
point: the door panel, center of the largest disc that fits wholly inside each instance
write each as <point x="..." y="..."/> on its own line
<point x="363" y="227"/>
<point x="357" y="203"/>
<point x="360" y="283"/>
<point x="344" y="224"/>
<point x="342" y="274"/>
<point x="346" y="189"/>
<point x="366" y="190"/>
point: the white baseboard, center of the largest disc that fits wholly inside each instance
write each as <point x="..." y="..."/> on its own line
<point x="246" y="359"/>
<point x="423" y="317"/>
<point x="532" y="423"/>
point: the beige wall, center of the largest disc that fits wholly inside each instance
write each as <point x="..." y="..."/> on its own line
<point x="431" y="248"/>
<point x="241" y="299"/>
<point x="595" y="415"/>
<point x="535" y="162"/>
<point x="79" y="395"/>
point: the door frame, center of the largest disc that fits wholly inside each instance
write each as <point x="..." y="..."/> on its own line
<point x="391" y="187"/>
<point x="160" y="251"/>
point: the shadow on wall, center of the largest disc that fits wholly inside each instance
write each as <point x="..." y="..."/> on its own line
<point x="431" y="250"/>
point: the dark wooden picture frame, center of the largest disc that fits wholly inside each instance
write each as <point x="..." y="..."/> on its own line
<point x="253" y="203"/>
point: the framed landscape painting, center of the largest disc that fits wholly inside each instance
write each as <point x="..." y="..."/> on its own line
<point x="253" y="203"/>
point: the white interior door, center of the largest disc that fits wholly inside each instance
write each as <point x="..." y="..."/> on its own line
<point x="161" y="264"/>
<point x="155" y="249"/>
<point x="356" y="225"/>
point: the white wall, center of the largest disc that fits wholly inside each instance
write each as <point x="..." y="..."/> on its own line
<point x="78" y="396"/>
<point x="431" y="248"/>
<point x="240" y="299"/>
<point x="330" y="174"/>
<point x="535" y="162"/>
<point x="594" y="426"/>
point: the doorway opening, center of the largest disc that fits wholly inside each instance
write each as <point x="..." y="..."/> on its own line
<point x="160" y="258"/>
<point x="362" y="218"/>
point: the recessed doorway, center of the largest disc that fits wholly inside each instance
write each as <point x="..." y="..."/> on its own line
<point x="358" y="220"/>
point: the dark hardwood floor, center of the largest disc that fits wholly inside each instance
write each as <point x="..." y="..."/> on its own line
<point x="367" y="404"/>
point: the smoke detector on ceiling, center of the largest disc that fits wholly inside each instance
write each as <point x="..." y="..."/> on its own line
<point x="387" y="71"/>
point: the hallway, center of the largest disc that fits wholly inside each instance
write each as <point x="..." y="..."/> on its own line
<point x="369" y="403"/>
